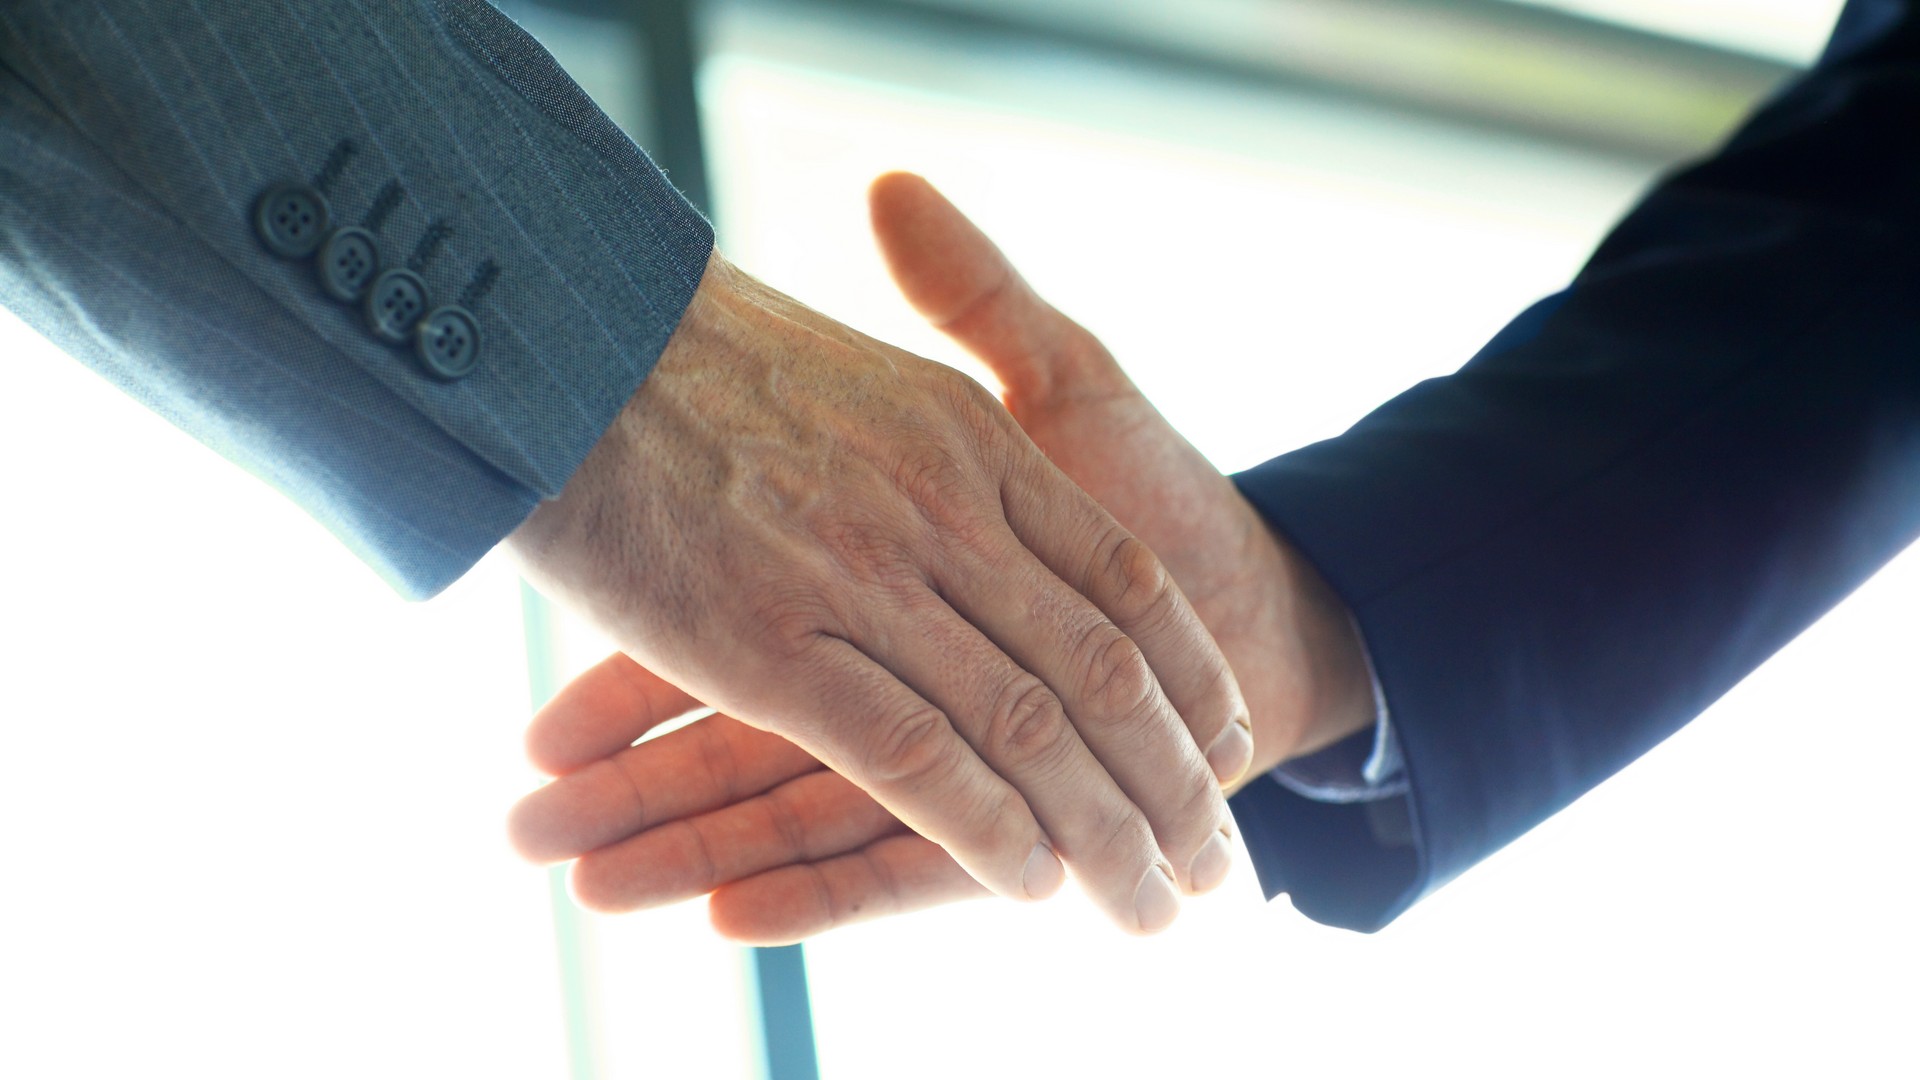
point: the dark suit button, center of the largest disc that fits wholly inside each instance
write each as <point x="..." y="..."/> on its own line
<point x="449" y="343"/>
<point x="291" y="220"/>
<point x="349" y="259"/>
<point x="394" y="305"/>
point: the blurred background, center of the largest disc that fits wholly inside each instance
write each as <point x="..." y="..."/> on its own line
<point x="252" y="805"/>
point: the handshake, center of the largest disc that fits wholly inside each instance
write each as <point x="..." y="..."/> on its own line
<point x="955" y="648"/>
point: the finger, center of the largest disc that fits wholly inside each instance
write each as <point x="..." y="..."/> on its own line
<point x="606" y="707"/>
<point x="872" y="729"/>
<point x="706" y="765"/>
<point x="807" y="819"/>
<point x="1094" y="555"/>
<point x="1111" y="695"/>
<point x="1019" y="727"/>
<point x="893" y="876"/>
<point x="954" y="276"/>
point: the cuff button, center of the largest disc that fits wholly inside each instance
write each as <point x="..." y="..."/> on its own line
<point x="395" y="302"/>
<point x="291" y="220"/>
<point x="448" y="343"/>
<point x="349" y="261"/>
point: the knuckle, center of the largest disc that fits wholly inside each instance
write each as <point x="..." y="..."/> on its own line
<point x="1027" y="726"/>
<point x="961" y="390"/>
<point x="929" y="476"/>
<point x="1132" y="585"/>
<point x="984" y="535"/>
<point x="854" y="537"/>
<point x="1116" y="683"/>
<point x="871" y="551"/>
<point x="979" y="412"/>
<point x="1080" y="350"/>
<point x="950" y="498"/>
<point x="911" y="750"/>
<point x="788" y="616"/>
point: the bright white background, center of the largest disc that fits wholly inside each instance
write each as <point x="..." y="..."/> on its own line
<point x="251" y="801"/>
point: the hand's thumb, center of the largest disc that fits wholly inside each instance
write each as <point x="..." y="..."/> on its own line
<point x="955" y="277"/>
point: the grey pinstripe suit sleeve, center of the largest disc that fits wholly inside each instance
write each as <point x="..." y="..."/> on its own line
<point x="136" y="137"/>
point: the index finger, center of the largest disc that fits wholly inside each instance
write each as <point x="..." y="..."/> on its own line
<point x="605" y="708"/>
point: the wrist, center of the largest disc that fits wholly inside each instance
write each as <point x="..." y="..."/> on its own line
<point x="1340" y="675"/>
<point x="557" y="546"/>
<point x="1330" y="696"/>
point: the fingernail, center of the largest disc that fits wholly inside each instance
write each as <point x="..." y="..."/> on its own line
<point x="1209" y="868"/>
<point x="1043" y="875"/>
<point x="1231" y="753"/>
<point x="1156" y="904"/>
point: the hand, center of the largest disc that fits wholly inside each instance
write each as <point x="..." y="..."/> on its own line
<point x="787" y="847"/>
<point x="859" y="550"/>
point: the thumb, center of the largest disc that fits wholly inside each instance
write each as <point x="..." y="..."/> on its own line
<point x="961" y="283"/>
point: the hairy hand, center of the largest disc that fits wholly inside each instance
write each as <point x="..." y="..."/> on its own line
<point x="859" y="551"/>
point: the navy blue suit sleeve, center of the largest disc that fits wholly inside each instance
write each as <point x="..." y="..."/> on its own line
<point x="1636" y="493"/>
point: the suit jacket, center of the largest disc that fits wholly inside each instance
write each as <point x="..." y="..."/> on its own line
<point x="170" y="169"/>
<point x="1635" y="493"/>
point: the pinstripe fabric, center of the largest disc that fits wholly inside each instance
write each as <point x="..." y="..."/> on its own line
<point x="135" y="137"/>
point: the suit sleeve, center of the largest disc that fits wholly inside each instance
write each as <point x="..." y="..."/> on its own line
<point x="1634" y="495"/>
<point x="137" y="141"/>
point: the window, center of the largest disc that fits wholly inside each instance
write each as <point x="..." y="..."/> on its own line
<point x="252" y="799"/>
